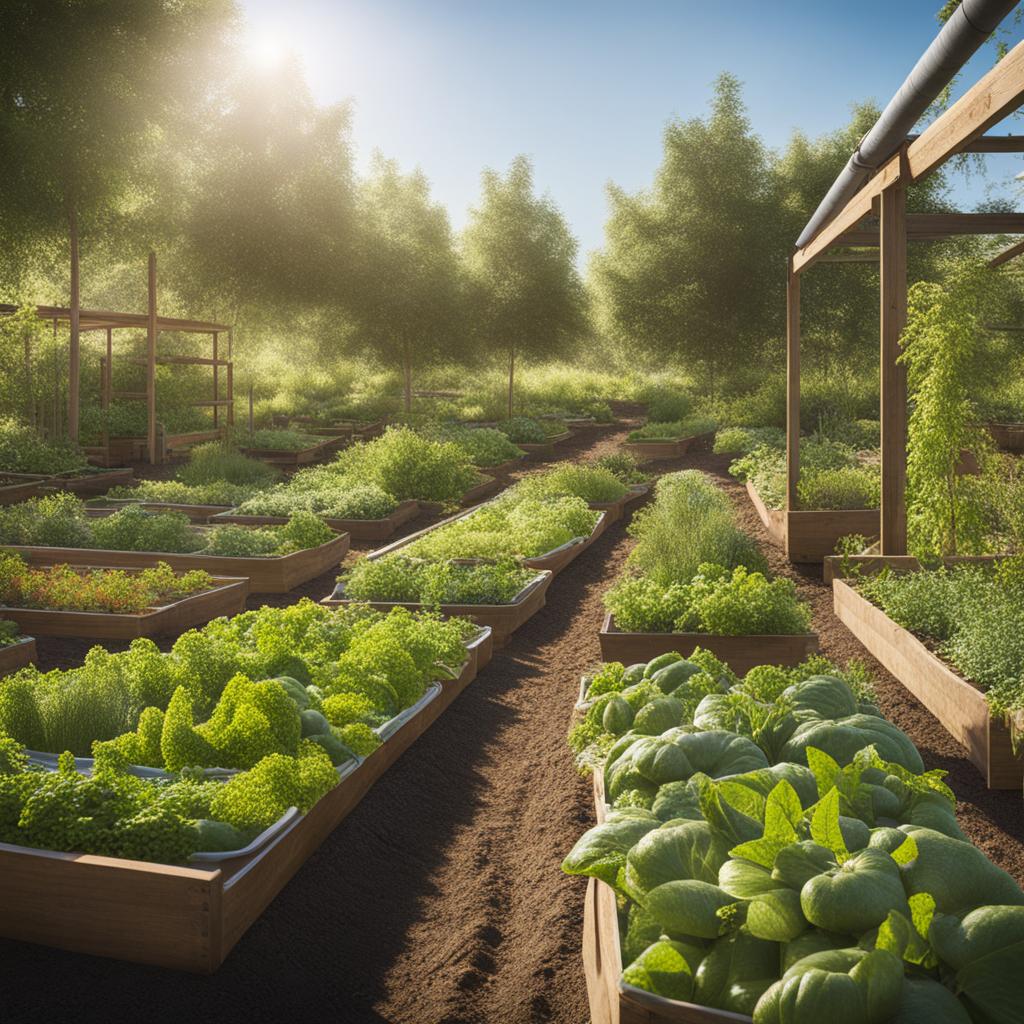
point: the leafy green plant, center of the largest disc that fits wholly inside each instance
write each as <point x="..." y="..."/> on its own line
<point x="743" y="440"/>
<point x="664" y="430"/>
<point x="523" y="430"/>
<point x="54" y="520"/>
<point x="357" y="501"/>
<point x="485" y="446"/>
<point x="624" y="466"/>
<point x="218" y="492"/>
<point x="594" y="484"/>
<point x="214" y="462"/>
<point x="847" y="487"/>
<point x="133" y="529"/>
<point x="24" y="450"/>
<point x="267" y="439"/>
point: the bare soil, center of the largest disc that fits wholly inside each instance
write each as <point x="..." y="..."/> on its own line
<point x="439" y="900"/>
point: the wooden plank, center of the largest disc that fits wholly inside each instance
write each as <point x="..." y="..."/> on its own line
<point x="960" y="707"/>
<point x="848" y="257"/>
<point x="996" y="95"/>
<point x="17" y="655"/>
<point x="1011" y="252"/>
<point x="893" y="318"/>
<point x="358" y="529"/>
<point x="987" y="144"/>
<point x="740" y="653"/>
<point x="792" y="387"/>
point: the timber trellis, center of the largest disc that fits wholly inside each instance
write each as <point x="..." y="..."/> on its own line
<point x="876" y="218"/>
<point x="153" y="324"/>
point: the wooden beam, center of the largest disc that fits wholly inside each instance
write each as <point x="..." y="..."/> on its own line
<point x="74" y="347"/>
<point x="151" y="333"/>
<point x="792" y="387"/>
<point x="893" y="318"/>
<point x="1006" y="255"/>
<point x="987" y="144"/>
<point x="216" y="380"/>
<point x="231" y="378"/>
<point x="849" y="217"/>
<point x="933" y="227"/>
<point x="849" y="257"/>
<point x="996" y="95"/>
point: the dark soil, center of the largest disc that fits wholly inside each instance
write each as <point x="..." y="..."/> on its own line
<point x="439" y="900"/>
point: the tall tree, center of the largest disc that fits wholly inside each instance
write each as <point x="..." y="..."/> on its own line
<point x="409" y="310"/>
<point x="86" y="90"/>
<point x="692" y="269"/>
<point x="526" y="293"/>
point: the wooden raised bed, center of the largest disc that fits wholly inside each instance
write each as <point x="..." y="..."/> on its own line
<point x="960" y="707"/>
<point x="274" y="575"/>
<point x="185" y="918"/>
<point x="199" y="514"/>
<point x="90" y="483"/>
<point x="502" y="619"/>
<point x="297" y="456"/>
<point x="544" y="447"/>
<point x="510" y="466"/>
<point x="1009" y="437"/>
<point x="227" y="597"/>
<point x="17" y="655"/>
<point x="809" y="535"/>
<point x="555" y="560"/>
<point x="17" y="487"/>
<point x="357" y="529"/>
<point x="615" y="510"/>
<point x="740" y="653"/>
<point x="611" y="1001"/>
<point x="652" y="451"/>
<point x="487" y="486"/>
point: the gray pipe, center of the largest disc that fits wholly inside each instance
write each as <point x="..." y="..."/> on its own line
<point x="968" y="27"/>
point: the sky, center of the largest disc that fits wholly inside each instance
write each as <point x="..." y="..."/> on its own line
<point x="586" y="88"/>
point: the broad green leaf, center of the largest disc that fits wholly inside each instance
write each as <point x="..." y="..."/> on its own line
<point x="905" y="853"/>
<point x="825" y="768"/>
<point x="922" y="909"/>
<point x="901" y="938"/>
<point x="825" y="830"/>
<point x="783" y="814"/>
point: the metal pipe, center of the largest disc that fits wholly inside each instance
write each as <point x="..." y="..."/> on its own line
<point x="967" y="28"/>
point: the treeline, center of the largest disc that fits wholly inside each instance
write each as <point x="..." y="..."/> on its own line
<point x="144" y="130"/>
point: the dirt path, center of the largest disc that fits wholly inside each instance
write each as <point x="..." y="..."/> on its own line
<point x="439" y="900"/>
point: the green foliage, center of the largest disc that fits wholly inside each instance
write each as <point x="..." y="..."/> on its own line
<point x="847" y="487"/>
<point x="218" y="492"/>
<point x="215" y="463"/>
<point x="623" y="465"/>
<point x="54" y="520"/>
<point x="743" y="440"/>
<point x="485" y="446"/>
<point x="594" y="484"/>
<point x="23" y="450"/>
<point x="524" y="430"/>
<point x="400" y="578"/>
<point x="133" y="529"/>
<point x="405" y="465"/>
<point x="278" y="440"/>
<point x="690" y="522"/>
<point x="659" y="430"/>
<point x="944" y="360"/>
<point x="335" y="500"/>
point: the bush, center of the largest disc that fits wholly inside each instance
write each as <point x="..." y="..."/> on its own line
<point x="666" y="405"/>
<point x="623" y="465"/>
<point x="523" y="430"/>
<point x="484" y="446"/>
<point x="279" y="440"/>
<point x="216" y="462"/>
<point x="848" y="487"/>
<point x="133" y="529"/>
<point x="358" y="501"/>
<point x="219" y="492"/>
<point x="400" y="578"/>
<point x="54" y="520"/>
<point x="22" y="450"/>
<point x="594" y="484"/>
<point x="671" y="431"/>
<point x="743" y="440"/>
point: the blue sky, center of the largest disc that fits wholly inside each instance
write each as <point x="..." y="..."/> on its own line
<point x="585" y="88"/>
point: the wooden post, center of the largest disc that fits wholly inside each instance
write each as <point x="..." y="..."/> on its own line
<point x="893" y="275"/>
<point x="216" y="382"/>
<point x="74" y="354"/>
<point x="251" y="423"/>
<point x="792" y="387"/>
<point x="151" y="363"/>
<point x="56" y="384"/>
<point x="231" y="379"/>
<point x="29" y="391"/>
<point x="108" y="382"/>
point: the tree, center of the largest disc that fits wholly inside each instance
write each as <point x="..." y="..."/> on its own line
<point x="86" y="91"/>
<point x="527" y="296"/>
<point x="410" y="304"/>
<point x="693" y="268"/>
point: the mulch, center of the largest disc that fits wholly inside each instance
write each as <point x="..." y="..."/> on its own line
<point x="439" y="900"/>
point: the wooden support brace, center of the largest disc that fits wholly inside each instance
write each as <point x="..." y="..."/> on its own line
<point x="792" y="387"/>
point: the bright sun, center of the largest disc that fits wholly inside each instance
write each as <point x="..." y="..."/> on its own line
<point x="265" y="50"/>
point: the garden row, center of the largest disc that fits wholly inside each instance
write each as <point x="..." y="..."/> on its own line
<point x="770" y="848"/>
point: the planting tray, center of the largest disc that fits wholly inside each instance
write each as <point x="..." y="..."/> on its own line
<point x="184" y="918"/>
<point x="960" y="707"/>
<point x="1008" y="436"/>
<point x="740" y="653"/>
<point x="295" y="457"/>
<point x="17" y="655"/>
<point x="16" y="487"/>
<point x="274" y="575"/>
<point x="199" y="514"/>
<point x="555" y="560"/>
<point x="502" y="619"/>
<point x="612" y="1001"/>
<point x="652" y="451"/>
<point x="227" y="597"/>
<point x="615" y="510"/>
<point x="812" y="535"/>
<point x="90" y="483"/>
<point x="357" y="529"/>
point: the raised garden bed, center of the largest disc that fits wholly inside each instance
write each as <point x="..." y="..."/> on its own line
<point x="358" y="529"/>
<point x="663" y="448"/>
<point x="186" y="918"/>
<point x="17" y="487"/>
<point x="960" y="707"/>
<point x="612" y="1001"/>
<point x="615" y="510"/>
<point x="200" y="514"/>
<point x="740" y="653"/>
<point x="505" y="467"/>
<point x="17" y="655"/>
<point x="555" y="560"/>
<point x="545" y="447"/>
<point x="90" y="481"/>
<point x="226" y="597"/>
<point x="811" y="535"/>
<point x="502" y="619"/>
<point x="276" y="574"/>
<point x="1008" y="436"/>
<point x="295" y="457"/>
<point x="487" y="486"/>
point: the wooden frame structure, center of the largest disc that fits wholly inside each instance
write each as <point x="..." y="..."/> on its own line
<point x="153" y="324"/>
<point x="881" y="202"/>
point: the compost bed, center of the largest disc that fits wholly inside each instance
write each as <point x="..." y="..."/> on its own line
<point x="439" y="900"/>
